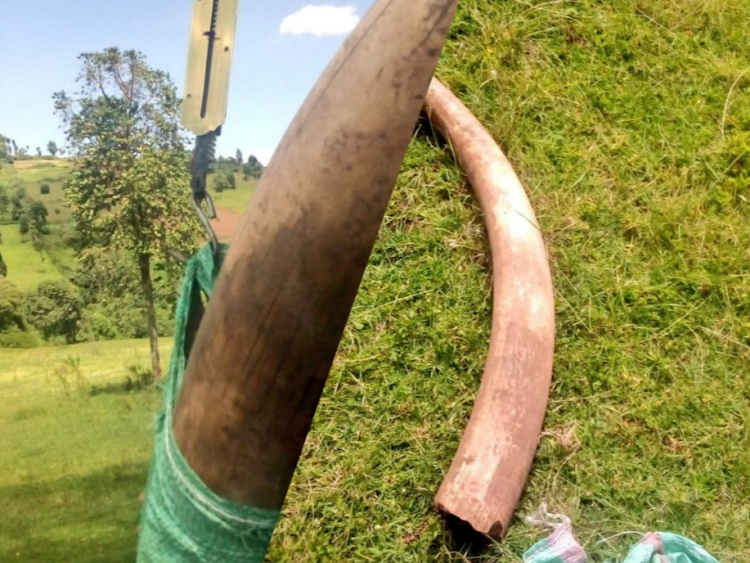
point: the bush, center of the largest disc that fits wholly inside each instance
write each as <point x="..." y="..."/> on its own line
<point x="44" y="189"/>
<point x="114" y="306"/>
<point x="55" y="309"/>
<point x="231" y="181"/>
<point x="12" y="317"/>
<point x="97" y="324"/>
<point x="19" y="339"/>
<point x="221" y="184"/>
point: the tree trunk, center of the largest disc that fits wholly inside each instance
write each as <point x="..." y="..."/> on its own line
<point x="144" y="263"/>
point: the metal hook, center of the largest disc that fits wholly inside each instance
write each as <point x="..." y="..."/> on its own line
<point x="205" y="218"/>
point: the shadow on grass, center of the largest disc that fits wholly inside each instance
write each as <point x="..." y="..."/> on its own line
<point x="138" y="381"/>
<point x="124" y="388"/>
<point x="85" y="519"/>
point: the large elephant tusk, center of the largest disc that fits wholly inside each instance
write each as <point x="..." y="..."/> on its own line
<point x="266" y="344"/>
<point x="489" y="472"/>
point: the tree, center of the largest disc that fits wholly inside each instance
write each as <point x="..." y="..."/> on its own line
<point x="4" y="200"/>
<point x="3" y="265"/>
<point x="252" y="168"/>
<point x="44" y="189"/>
<point x="239" y="157"/>
<point x="38" y="151"/>
<point x="18" y="203"/>
<point x="12" y="316"/>
<point x="52" y="148"/>
<point x="130" y="186"/>
<point x="231" y="181"/>
<point x="15" y="146"/>
<point x="23" y="225"/>
<point x="54" y="309"/>
<point x="38" y="214"/>
<point x="220" y="183"/>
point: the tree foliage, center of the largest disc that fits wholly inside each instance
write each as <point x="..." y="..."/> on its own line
<point x="231" y="181"/>
<point x="238" y="156"/>
<point x="252" y="168"/>
<point x="220" y="183"/>
<point x="12" y="316"/>
<point x="52" y="148"/>
<point x="4" y="200"/>
<point x="130" y="185"/>
<point x="3" y="265"/>
<point x="114" y="308"/>
<point x="54" y="310"/>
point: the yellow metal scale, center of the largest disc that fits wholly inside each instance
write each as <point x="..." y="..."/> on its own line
<point x="204" y="106"/>
<point x="211" y="49"/>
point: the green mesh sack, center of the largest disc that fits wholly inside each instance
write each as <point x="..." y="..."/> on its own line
<point x="663" y="547"/>
<point x="562" y="547"/>
<point x="183" y="520"/>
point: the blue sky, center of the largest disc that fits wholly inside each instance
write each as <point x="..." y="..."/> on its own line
<point x="272" y="74"/>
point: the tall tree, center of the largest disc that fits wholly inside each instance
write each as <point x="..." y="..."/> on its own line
<point x="3" y="265"/>
<point x="54" y="309"/>
<point x="4" y="200"/>
<point x="130" y="185"/>
<point x="39" y="151"/>
<point x="52" y="148"/>
<point x="239" y="157"/>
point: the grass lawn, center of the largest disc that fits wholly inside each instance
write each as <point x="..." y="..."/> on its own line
<point x="34" y="173"/>
<point x="43" y="170"/>
<point x="630" y="126"/>
<point x="75" y="451"/>
<point x="234" y="200"/>
<point x="619" y="119"/>
<point x="54" y="200"/>
<point x="26" y="267"/>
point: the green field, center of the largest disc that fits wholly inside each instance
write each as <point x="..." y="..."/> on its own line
<point x="43" y="170"/>
<point x="234" y="200"/>
<point x="34" y="173"/>
<point x="75" y="451"/>
<point x="629" y="124"/>
<point x="54" y="200"/>
<point x="27" y="268"/>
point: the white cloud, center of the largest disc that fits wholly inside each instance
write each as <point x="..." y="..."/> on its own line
<point x="321" y="21"/>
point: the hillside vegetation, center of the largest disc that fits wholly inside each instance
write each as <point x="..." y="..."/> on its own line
<point x="629" y="124"/>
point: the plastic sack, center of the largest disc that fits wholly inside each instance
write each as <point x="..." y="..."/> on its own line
<point x="656" y="547"/>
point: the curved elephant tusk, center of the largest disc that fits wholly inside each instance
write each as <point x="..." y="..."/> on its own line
<point x="489" y="472"/>
<point x="269" y="335"/>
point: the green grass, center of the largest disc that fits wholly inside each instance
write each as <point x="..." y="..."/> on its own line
<point x="33" y="171"/>
<point x="612" y="114"/>
<point x="26" y="267"/>
<point x="234" y="200"/>
<point x="54" y="201"/>
<point x="619" y="120"/>
<point x="75" y="449"/>
<point x="52" y="172"/>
